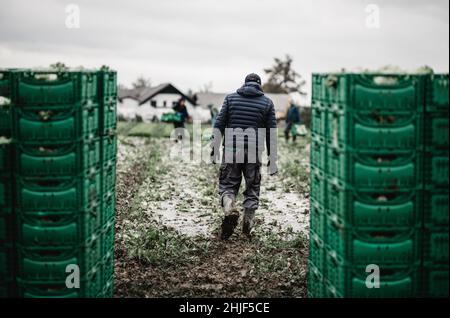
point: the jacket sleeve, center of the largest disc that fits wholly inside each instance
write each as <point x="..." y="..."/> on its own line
<point x="222" y="117"/>
<point x="271" y="123"/>
<point x="220" y="124"/>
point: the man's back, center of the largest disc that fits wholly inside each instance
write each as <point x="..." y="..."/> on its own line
<point x="246" y="109"/>
<point x="293" y="115"/>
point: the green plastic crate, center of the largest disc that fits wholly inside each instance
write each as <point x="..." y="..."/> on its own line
<point x="318" y="186"/>
<point x="316" y="94"/>
<point x="108" y="207"/>
<point x="375" y="170"/>
<point x="108" y="236"/>
<point x="171" y="118"/>
<point x="108" y="116"/>
<point x="435" y="246"/>
<point x="47" y="290"/>
<point x="436" y="172"/>
<point x="5" y="158"/>
<point x="42" y="229"/>
<point x="50" y="263"/>
<point x="46" y="125"/>
<point x="329" y="291"/>
<point x="5" y="83"/>
<point x="108" y="289"/>
<point x="346" y="280"/>
<point x="7" y="265"/>
<point x="437" y="92"/>
<point x="373" y="130"/>
<point x="5" y="121"/>
<point x="319" y="119"/>
<point x="385" y="208"/>
<point x="318" y="152"/>
<point x="108" y="267"/>
<point x="331" y="88"/>
<point x="316" y="249"/>
<point x="315" y="281"/>
<point x="394" y="92"/>
<point x="49" y="87"/>
<point x="372" y="245"/>
<point x="109" y="176"/>
<point x="436" y="208"/>
<point x="317" y="218"/>
<point x="7" y="233"/>
<point x="62" y="194"/>
<point x="109" y="148"/>
<point x="53" y="160"/>
<point x="436" y="130"/>
<point x="90" y="287"/>
<point x="107" y="83"/>
<point x="108" y="96"/>
<point x="435" y="282"/>
<point x="6" y="194"/>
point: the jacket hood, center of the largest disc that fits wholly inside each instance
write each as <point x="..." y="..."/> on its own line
<point x="250" y="89"/>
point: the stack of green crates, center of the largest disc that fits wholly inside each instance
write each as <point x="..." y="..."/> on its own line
<point x="63" y="129"/>
<point x="366" y="184"/>
<point x="108" y="139"/>
<point x="7" y="267"/>
<point x="435" y="196"/>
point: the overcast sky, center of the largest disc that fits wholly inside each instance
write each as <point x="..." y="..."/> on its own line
<point x="193" y="42"/>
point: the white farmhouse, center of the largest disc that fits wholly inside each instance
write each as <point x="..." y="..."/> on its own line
<point x="150" y="103"/>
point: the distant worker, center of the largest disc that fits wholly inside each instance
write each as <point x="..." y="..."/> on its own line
<point x="243" y="115"/>
<point x="292" y="119"/>
<point x="181" y="110"/>
<point x="213" y="112"/>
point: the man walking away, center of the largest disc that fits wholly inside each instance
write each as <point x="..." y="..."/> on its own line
<point x="243" y="115"/>
<point x="292" y="118"/>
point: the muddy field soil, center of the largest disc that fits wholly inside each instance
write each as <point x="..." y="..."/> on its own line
<point x="168" y="217"/>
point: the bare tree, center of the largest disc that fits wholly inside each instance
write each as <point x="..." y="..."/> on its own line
<point x="283" y="79"/>
<point x="141" y="82"/>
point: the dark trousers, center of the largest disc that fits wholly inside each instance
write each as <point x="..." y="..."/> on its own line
<point x="230" y="179"/>
<point x="287" y="131"/>
<point x="177" y="125"/>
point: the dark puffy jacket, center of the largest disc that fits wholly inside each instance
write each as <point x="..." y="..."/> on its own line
<point x="293" y="115"/>
<point x="182" y="110"/>
<point x="248" y="108"/>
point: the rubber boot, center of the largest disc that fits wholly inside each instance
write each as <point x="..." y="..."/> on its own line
<point x="249" y="221"/>
<point x="231" y="218"/>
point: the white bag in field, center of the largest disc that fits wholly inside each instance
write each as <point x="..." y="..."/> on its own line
<point x="301" y="130"/>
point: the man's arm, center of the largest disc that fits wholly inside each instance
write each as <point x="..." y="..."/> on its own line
<point x="222" y="117"/>
<point x="219" y="129"/>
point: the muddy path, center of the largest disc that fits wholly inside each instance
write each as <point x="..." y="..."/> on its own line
<point x="167" y="223"/>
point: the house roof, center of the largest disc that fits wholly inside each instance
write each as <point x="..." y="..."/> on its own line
<point x="128" y="93"/>
<point x="142" y="95"/>
<point x="280" y="101"/>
